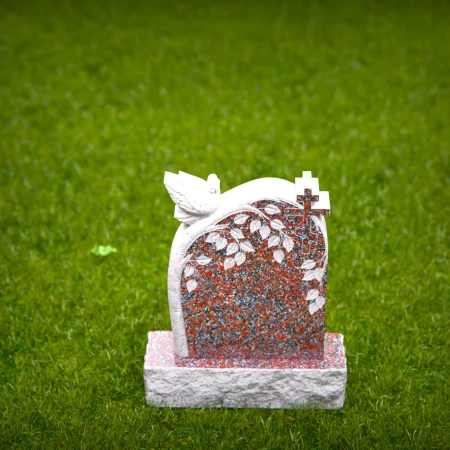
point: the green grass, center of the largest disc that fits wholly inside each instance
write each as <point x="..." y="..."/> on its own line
<point x="100" y="98"/>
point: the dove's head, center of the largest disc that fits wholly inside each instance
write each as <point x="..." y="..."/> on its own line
<point x="213" y="184"/>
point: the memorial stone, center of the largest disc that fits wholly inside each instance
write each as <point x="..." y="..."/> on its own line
<point x="247" y="287"/>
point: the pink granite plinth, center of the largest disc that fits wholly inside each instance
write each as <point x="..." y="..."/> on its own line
<point x="244" y="382"/>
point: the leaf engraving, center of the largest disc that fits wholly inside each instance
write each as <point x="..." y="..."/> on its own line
<point x="203" y="260"/>
<point x="264" y="231"/>
<point x="277" y="224"/>
<point x="320" y="301"/>
<point x="213" y="237"/>
<point x="237" y="233"/>
<point x="229" y="263"/>
<point x="288" y="243"/>
<point x="255" y="225"/>
<point x="221" y="243"/>
<point x="309" y="275"/>
<point x="240" y="219"/>
<point x="312" y="294"/>
<point x="313" y="308"/>
<point x="191" y="285"/>
<point x="246" y="246"/>
<point x="278" y="256"/>
<point x="232" y="248"/>
<point x="318" y="274"/>
<point x="188" y="271"/>
<point x="308" y="264"/>
<point x="240" y="258"/>
<point x="272" y="209"/>
<point x="273" y="240"/>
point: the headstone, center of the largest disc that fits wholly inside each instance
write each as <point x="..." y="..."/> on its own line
<point x="247" y="288"/>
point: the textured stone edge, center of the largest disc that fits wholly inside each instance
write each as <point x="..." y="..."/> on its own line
<point x="182" y="387"/>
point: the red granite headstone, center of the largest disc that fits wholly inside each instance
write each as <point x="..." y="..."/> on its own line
<point x="256" y="287"/>
<point x="247" y="288"/>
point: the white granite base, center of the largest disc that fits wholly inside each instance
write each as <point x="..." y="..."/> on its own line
<point x="169" y="385"/>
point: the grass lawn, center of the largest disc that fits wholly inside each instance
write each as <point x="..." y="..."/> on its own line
<point x="99" y="98"/>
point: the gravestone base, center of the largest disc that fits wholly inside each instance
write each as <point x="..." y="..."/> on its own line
<point x="243" y="383"/>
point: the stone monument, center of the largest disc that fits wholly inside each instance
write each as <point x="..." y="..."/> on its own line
<point x="247" y="287"/>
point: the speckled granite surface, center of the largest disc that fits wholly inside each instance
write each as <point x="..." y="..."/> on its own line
<point x="245" y="286"/>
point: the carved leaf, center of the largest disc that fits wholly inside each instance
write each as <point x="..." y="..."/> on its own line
<point x="203" y="260"/>
<point x="229" y="263"/>
<point x="221" y="243"/>
<point x="246" y="246"/>
<point x="272" y="209"/>
<point x="318" y="274"/>
<point x="312" y="294"/>
<point x="278" y="256"/>
<point x="264" y="231"/>
<point x="313" y="308"/>
<point x="232" y="248"/>
<point x="308" y="264"/>
<point x="320" y="301"/>
<point x="237" y="233"/>
<point x="240" y="258"/>
<point x="240" y="219"/>
<point x="255" y="225"/>
<point x="277" y="224"/>
<point x="188" y="271"/>
<point x="213" y="237"/>
<point x="191" y="285"/>
<point x="288" y="243"/>
<point x="309" y="275"/>
<point x="273" y="240"/>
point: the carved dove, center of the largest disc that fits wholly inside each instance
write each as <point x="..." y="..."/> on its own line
<point x="194" y="197"/>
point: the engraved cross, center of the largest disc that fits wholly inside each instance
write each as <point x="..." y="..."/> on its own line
<point x="306" y="199"/>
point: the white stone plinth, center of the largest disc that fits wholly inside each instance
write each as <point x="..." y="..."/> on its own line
<point x="316" y="384"/>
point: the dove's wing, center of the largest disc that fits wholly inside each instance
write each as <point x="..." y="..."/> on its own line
<point x="177" y="191"/>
